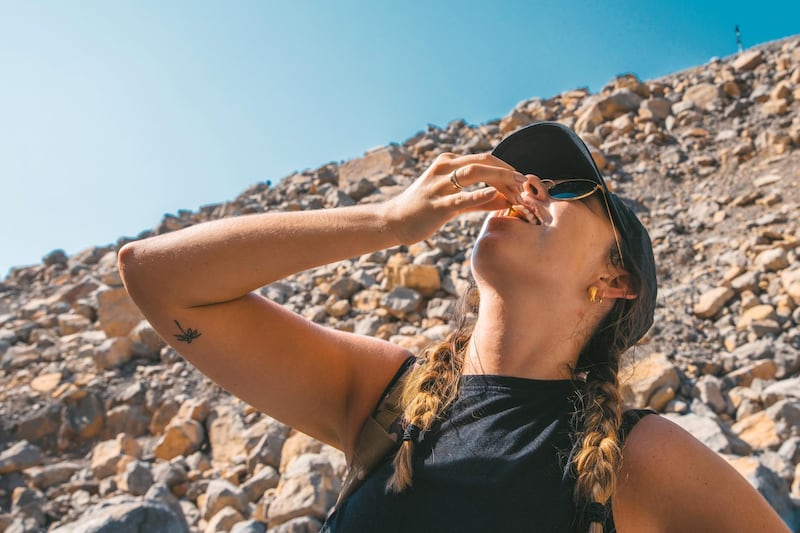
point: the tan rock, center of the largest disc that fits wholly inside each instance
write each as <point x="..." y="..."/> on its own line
<point x="72" y="293"/>
<point x="337" y="308"/>
<point x="422" y="278"/>
<point x="623" y="124"/>
<point x="19" y="456"/>
<point x="754" y="314"/>
<point x="181" y="437"/>
<point x="264" y="479"/>
<point x="144" y="334"/>
<point x="226" y="435"/>
<point x="781" y="390"/>
<point x="702" y="95"/>
<point x="758" y="430"/>
<point x="790" y="277"/>
<point x="711" y="302"/>
<point x="412" y="343"/>
<point x="739" y="394"/>
<point x="647" y="379"/>
<point x="113" y="353"/>
<point x="655" y="108"/>
<point x="374" y="165"/>
<point x="588" y="119"/>
<point x="618" y="103"/>
<point x="163" y="415"/>
<point x="772" y="260"/>
<point x="782" y="91"/>
<point x="661" y="397"/>
<point x="43" y="477"/>
<point x="224" y="520"/>
<point x="367" y="300"/>
<point x="631" y="82"/>
<point x="70" y="323"/>
<point x="793" y="291"/>
<point x="117" y="315"/>
<point x="746" y="282"/>
<point x="308" y="488"/>
<point x="775" y="107"/>
<point x="764" y="369"/>
<point x="46" y="382"/>
<point x="132" y="420"/>
<point x="731" y="89"/>
<point x="295" y="445"/>
<point x="106" y="455"/>
<point x="514" y="121"/>
<point x="196" y="409"/>
<point x="748" y="60"/>
<point x="221" y="494"/>
<point x="598" y="156"/>
<point x="399" y="272"/>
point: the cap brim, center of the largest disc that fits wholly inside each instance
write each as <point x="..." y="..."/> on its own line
<point x="548" y="150"/>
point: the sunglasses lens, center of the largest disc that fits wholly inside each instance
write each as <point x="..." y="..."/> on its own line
<point x="567" y="190"/>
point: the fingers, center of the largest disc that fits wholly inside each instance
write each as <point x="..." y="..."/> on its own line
<point x="481" y="159"/>
<point x="508" y="182"/>
<point x="484" y="199"/>
<point x="468" y="170"/>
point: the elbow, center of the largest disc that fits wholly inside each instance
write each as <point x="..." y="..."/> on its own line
<point x="144" y="275"/>
<point x="129" y="266"/>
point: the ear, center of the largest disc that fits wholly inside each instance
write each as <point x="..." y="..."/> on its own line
<point x="617" y="286"/>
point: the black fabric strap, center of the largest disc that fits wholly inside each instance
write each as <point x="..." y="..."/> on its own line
<point x="596" y="512"/>
<point x="411" y="433"/>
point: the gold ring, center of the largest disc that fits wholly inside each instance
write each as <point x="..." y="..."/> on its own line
<point x="454" y="181"/>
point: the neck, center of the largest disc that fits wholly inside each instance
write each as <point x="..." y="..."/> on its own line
<point x="510" y="340"/>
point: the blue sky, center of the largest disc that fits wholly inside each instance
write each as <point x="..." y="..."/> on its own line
<point x="115" y="113"/>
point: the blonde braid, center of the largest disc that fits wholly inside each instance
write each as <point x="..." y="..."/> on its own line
<point x="430" y="389"/>
<point x="597" y="460"/>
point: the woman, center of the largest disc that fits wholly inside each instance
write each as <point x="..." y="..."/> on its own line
<point x="512" y="425"/>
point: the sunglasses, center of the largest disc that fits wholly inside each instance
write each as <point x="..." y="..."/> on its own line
<point x="572" y="189"/>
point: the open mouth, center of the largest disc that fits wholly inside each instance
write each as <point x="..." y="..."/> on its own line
<point x="522" y="213"/>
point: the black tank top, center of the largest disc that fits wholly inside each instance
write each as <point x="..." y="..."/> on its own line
<point x="495" y="463"/>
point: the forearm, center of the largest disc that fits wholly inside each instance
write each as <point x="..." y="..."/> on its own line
<point x="225" y="259"/>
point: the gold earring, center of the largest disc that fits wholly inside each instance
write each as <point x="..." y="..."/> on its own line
<point x="593" y="294"/>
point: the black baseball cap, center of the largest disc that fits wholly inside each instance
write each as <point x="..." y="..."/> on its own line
<point x="552" y="150"/>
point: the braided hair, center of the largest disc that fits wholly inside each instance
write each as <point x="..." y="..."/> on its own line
<point x="429" y="390"/>
<point x="597" y="452"/>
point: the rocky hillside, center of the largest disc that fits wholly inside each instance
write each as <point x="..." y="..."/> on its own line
<point x="102" y="425"/>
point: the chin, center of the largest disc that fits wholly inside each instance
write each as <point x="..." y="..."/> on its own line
<point x="493" y="260"/>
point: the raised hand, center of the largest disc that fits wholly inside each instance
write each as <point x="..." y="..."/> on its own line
<point x="443" y="192"/>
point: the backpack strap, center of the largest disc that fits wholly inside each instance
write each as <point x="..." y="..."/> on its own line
<point x="379" y="436"/>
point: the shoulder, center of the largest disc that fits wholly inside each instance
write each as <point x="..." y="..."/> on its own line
<point x="670" y="481"/>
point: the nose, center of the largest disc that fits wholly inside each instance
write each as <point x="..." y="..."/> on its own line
<point x="534" y="188"/>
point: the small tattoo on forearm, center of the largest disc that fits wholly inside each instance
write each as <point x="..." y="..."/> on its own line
<point x="187" y="335"/>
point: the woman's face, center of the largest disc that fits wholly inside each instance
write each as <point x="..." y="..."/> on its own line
<point x="563" y="246"/>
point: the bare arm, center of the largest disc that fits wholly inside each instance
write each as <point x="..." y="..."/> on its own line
<point x="671" y="482"/>
<point x="321" y="381"/>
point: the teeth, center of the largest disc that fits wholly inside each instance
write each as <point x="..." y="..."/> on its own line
<point x="520" y="211"/>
